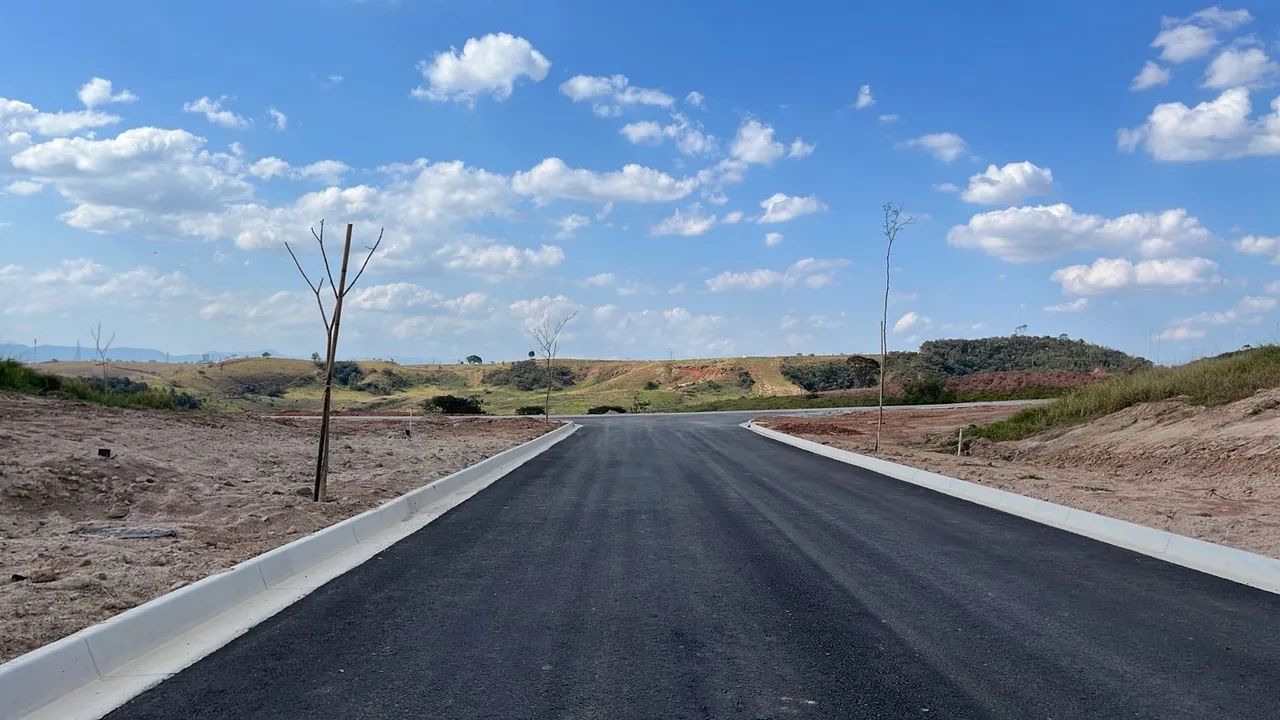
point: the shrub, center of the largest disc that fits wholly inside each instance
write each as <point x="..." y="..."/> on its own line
<point x="116" y="392"/>
<point x="930" y="390"/>
<point x="848" y="374"/>
<point x="530" y="375"/>
<point x="651" y="385"/>
<point x="347" y="373"/>
<point x="453" y="405"/>
<point x="604" y="409"/>
<point x="529" y="410"/>
<point x="383" y="382"/>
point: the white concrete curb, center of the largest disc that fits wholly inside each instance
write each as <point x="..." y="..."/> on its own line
<point x="94" y="671"/>
<point x="1241" y="566"/>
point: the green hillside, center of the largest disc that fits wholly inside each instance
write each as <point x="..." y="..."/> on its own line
<point x="288" y="385"/>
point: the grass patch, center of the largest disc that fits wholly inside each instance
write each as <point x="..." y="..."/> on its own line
<point x="16" y="377"/>
<point x="802" y="402"/>
<point x="1211" y="381"/>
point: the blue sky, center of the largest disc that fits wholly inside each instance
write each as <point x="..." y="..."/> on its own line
<point x="694" y="178"/>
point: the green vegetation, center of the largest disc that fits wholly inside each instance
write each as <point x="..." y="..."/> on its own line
<point x="817" y="375"/>
<point x="529" y="410"/>
<point x="115" y="392"/>
<point x="926" y="391"/>
<point x="453" y="405"/>
<point x="1017" y="352"/>
<point x="812" y="400"/>
<point x="530" y="375"/>
<point x="1211" y="381"/>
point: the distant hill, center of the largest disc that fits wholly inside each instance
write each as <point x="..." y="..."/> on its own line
<point x="69" y="353"/>
<point x="991" y="369"/>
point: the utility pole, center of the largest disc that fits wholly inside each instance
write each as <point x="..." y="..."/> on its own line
<point x="35" y="343"/>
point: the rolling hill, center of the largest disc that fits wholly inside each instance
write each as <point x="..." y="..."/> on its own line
<point x="994" y="368"/>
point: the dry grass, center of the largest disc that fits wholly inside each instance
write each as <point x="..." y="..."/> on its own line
<point x="1211" y="381"/>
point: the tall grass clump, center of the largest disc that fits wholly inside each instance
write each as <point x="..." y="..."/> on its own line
<point x="1211" y="381"/>
<point x="116" y="392"/>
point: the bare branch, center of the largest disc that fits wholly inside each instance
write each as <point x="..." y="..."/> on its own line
<point x="365" y="264"/>
<point x="320" y="241"/>
<point x="315" y="289"/>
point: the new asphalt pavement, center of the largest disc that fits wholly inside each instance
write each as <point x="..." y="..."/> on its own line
<point x="682" y="567"/>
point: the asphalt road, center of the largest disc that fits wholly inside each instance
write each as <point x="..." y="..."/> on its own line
<point x="686" y="568"/>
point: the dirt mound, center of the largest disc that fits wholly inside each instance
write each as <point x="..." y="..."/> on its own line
<point x="813" y="427"/>
<point x="1018" y="379"/>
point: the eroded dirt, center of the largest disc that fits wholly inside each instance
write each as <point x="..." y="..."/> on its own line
<point x="1209" y="473"/>
<point x="228" y="487"/>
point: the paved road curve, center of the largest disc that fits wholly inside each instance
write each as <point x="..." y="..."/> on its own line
<point x="686" y="568"/>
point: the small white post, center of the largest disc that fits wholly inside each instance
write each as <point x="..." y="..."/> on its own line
<point x="960" y="442"/>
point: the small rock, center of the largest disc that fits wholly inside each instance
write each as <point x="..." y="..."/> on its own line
<point x="43" y="576"/>
<point x="17" y="578"/>
<point x="115" y="512"/>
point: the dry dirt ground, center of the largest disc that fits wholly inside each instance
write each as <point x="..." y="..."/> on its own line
<point x="1209" y="473"/>
<point x="229" y="487"/>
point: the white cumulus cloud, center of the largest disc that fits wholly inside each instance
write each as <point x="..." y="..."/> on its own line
<point x="812" y="272"/>
<point x="215" y="113"/>
<point x="944" y="146"/>
<point x="609" y="94"/>
<point x="552" y="179"/>
<point x="1026" y="234"/>
<point x="1241" y="67"/>
<point x="1214" y="129"/>
<point x="1183" y="39"/>
<point x="1263" y="245"/>
<point x="1151" y="75"/>
<point x="1108" y="274"/>
<point x="488" y="65"/>
<point x="1008" y="185"/>
<point x="98" y="91"/>
<point x="865" y="98"/>
<point x="781" y="208"/>
<point x="689" y="222"/>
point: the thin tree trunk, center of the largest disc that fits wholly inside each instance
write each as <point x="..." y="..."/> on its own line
<point x="884" y="343"/>
<point x="546" y="404"/>
<point x="322" y="457"/>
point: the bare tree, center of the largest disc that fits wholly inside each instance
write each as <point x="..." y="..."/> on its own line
<point x="331" y="324"/>
<point x="102" y="349"/>
<point x="894" y="221"/>
<point x="547" y="336"/>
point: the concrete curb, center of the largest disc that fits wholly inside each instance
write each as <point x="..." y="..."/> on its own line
<point x="1244" y="567"/>
<point x="90" y="673"/>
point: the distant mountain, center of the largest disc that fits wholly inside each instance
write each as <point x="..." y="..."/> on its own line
<point x="66" y="353"/>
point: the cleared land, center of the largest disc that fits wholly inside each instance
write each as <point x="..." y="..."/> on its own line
<point x="229" y="488"/>
<point x="1209" y="472"/>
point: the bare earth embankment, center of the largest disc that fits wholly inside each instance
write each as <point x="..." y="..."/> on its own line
<point x="1209" y="473"/>
<point x="228" y="487"/>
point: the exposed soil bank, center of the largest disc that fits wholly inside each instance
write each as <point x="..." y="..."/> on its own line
<point x="228" y="487"/>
